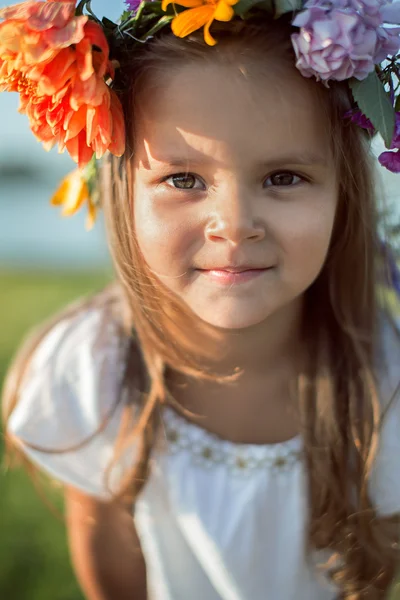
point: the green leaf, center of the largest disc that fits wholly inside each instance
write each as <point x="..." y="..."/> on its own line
<point x="397" y="104"/>
<point x="151" y="8"/>
<point x="79" y="8"/>
<point x="127" y="14"/>
<point x="375" y="103"/>
<point x="156" y="6"/>
<point x="244" y="6"/>
<point x="108" y="24"/>
<point x="159" y="25"/>
<point x="286" y="6"/>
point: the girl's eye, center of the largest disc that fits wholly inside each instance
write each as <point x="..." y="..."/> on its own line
<point x="283" y="179"/>
<point x="185" y="181"/>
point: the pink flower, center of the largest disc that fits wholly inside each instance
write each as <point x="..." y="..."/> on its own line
<point x="358" y="118"/>
<point x="396" y="136"/>
<point x="391" y="160"/>
<point x="344" y="39"/>
<point x="133" y="4"/>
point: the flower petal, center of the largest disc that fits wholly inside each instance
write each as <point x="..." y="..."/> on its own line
<point x="53" y="76"/>
<point x="90" y="92"/>
<point x="117" y="146"/>
<point x="98" y="124"/>
<point x="79" y="150"/>
<point x="84" y="59"/>
<point x="40" y="15"/>
<point x="191" y="20"/>
<point x="186" y="3"/>
<point x="208" y="38"/>
<point x="51" y="14"/>
<point x="11" y="36"/>
<point x="76" y="123"/>
<point x="390" y="160"/>
<point x="223" y="12"/>
<point x="72" y="33"/>
<point x="71" y="194"/>
<point x="95" y="35"/>
<point x="391" y="13"/>
<point x="92" y="214"/>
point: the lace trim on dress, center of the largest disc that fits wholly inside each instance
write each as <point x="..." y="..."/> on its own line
<point x="207" y="449"/>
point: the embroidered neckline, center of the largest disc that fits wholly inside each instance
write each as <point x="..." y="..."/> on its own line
<point x="207" y="449"/>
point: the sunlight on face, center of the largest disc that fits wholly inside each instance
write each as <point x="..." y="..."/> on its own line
<point x="234" y="192"/>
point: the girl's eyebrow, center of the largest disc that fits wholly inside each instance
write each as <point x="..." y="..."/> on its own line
<point x="304" y="158"/>
<point x="182" y="163"/>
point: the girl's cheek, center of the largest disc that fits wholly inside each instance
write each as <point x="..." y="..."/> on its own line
<point x="303" y="231"/>
<point x="165" y="238"/>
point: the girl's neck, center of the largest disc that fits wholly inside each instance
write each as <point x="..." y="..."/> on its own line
<point x="259" y="406"/>
<point x="258" y="349"/>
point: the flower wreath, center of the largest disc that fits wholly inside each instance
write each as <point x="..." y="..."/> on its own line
<point x="59" y="57"/>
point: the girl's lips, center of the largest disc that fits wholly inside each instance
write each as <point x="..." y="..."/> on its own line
<point x="226" y="277"/>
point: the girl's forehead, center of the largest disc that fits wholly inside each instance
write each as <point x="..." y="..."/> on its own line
<point x="214" y="110"/>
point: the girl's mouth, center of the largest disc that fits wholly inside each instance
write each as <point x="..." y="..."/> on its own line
<point x="233" y="276"/>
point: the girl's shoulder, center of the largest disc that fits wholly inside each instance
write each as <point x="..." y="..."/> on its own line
<point x="68" y="413"/>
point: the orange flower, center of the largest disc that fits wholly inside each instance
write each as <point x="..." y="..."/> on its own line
<point x="201" y="12"/>
<point x="72" y="194"/>
<point x="33" y="32"/>
<point x="9" y="77"/>
<point x="57" y="62"/>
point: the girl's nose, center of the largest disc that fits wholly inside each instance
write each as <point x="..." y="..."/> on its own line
<point x="233" y="218"/>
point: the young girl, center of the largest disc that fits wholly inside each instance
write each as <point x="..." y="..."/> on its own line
<point x="224" y="417"/>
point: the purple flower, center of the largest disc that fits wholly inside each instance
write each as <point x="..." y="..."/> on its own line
<point x="396" y="135"/>
<point x="133" y="4"/>
<point x="391" y="160"/>
<point x="358" y="118"/>
<point x="345" y="38"/>
<point x="389" y="37"/>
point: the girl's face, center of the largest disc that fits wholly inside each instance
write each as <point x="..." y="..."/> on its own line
<point x="235" y="190"/>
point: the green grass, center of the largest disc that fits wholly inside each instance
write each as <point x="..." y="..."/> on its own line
<point x="34" y="562"/>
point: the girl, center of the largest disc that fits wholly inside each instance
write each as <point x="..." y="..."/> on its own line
<point x="235" y="389"/>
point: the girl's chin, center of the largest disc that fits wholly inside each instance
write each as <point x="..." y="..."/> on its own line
<point x="232" y="320"/>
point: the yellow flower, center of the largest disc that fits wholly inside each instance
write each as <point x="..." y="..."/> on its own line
<point x="72" y="194"/>
<point x="202" y="12"/>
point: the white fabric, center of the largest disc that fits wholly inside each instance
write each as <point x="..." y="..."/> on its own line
<point x="217" y="520"/>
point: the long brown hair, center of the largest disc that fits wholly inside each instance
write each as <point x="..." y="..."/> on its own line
<point x="337" y="391"/>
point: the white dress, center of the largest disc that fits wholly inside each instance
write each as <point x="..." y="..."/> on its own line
<point x="217" y="520"/>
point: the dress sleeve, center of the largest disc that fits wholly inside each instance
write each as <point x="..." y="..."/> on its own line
<point x="385" y="477"/>
<point x="68" y="417"/>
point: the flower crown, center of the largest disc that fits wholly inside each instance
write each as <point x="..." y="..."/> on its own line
<point x="59" y="57"/>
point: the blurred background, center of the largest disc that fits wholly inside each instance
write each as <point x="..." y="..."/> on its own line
<point x="45" y="262"/>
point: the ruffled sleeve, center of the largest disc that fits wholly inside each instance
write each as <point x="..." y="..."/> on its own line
<point x="68" y="417"/>
<point x="385" y="478"/>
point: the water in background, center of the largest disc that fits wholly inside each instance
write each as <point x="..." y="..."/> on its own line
<point x="33" y="235"/>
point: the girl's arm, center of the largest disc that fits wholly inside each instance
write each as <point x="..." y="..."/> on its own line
<point x="105" y="548"/>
